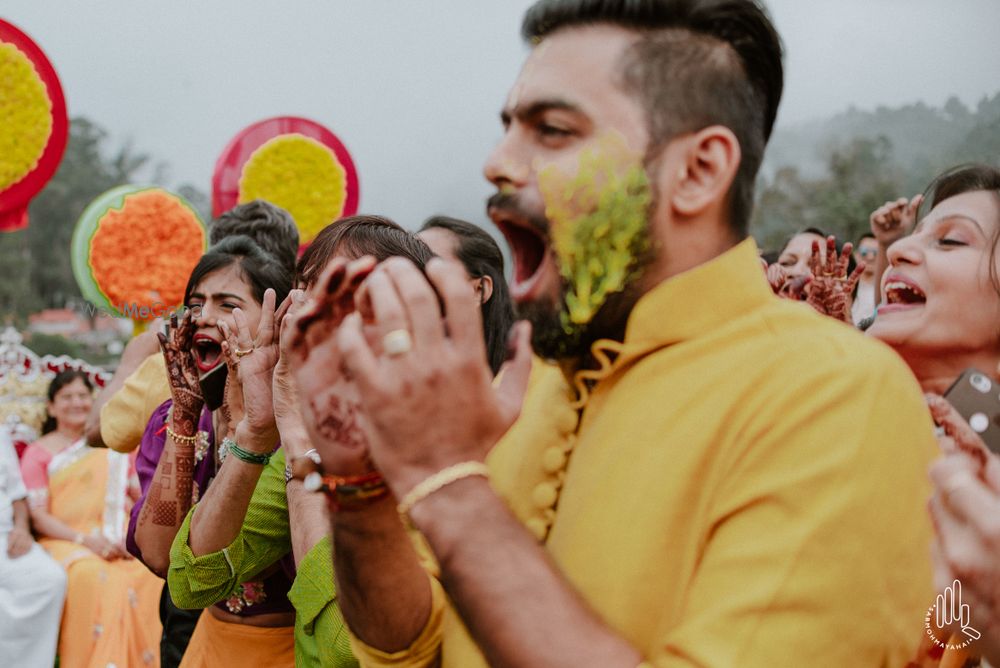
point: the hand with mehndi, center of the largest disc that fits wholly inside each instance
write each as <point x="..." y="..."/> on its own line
<point x="831" y="290"/>
<point x="182" y="373"/>
<point x="251" y="360"/>
<point x="894" y="220"/>
<point x="430" y="396"/>
<point x="776" y="277"/>
<point x="965" y="508"/>
<point x="327" y="398"/>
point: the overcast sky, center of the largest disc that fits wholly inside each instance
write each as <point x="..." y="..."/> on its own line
<point x="414" y="88"/>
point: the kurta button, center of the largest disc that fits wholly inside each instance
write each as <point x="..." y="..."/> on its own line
<point x="545" y="495"/>
<point x="553" y="459"/>
<point x="537" y="527"/>
<point x="566" y="421"/>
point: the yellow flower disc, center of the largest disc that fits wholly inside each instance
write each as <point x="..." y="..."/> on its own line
<point x="25" y="116"/>
<point x="300" y="175"/>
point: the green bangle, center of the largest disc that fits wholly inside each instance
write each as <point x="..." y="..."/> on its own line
<point x="229" y="445"/>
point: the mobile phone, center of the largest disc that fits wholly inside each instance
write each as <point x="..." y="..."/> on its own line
<point x="977" y="399"/>
<point x="213" y="385"/>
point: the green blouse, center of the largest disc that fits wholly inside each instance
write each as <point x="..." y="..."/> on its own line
<point x="321" y="637"/>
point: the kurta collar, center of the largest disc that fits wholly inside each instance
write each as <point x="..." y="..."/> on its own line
<point x="684" y="307"/>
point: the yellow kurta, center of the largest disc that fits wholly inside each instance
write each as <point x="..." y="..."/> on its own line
<point x="125" y="415"/>
<point x="746" y="486"/>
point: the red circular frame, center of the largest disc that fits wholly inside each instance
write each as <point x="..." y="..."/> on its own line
<point x="229" y="166"/>
<point x="14" y="200"/>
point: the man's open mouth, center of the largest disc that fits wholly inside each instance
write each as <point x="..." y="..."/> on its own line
<point x="207" y="352"/>
<point x="530" y="253"/>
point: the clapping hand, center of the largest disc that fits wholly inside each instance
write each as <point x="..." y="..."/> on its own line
<point x="251" y="360"/>
<point x="424" y="381"/>
<point x="327" y="397"/>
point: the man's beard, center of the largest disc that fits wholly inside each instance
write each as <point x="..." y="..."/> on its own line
<point x="551" y="337"/>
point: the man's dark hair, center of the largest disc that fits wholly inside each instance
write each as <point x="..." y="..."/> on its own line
<point x="261" y="270"/>
<point x="269" y="226"/>
<point x="699" y="63"/>
<point x="481" y="256"/>
<point x="866" y="235"/>
<point x="966" y="179"/>
<point x="357" y="236"/>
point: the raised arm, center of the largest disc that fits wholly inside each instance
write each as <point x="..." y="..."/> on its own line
<point x="518" y="607"/>
<point x="383" y="590"/>
<point x="168" y="498"/>
<point x="136" y="351"/>
<point x="889" y="223"/>
<point x="219" y="516"/>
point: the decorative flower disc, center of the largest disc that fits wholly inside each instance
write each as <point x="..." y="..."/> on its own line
<point x="33" y="124"/>
<point x="134" y="248"/>
<point x="294" y="163"/>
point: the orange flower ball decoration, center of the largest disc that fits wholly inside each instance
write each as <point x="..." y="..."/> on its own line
<point x="143" y="253"/>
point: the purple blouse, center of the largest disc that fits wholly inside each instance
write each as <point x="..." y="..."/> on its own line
<point x="277" y="583"/>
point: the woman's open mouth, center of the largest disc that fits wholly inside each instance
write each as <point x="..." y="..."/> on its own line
<point x="207" y="352"/>
<point x="530" y="252"/>
<point x="901" y="294"/>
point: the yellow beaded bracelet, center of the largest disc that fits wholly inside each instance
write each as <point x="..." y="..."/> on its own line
<point x="433" y="483"/>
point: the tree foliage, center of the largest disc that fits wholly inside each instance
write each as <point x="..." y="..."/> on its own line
<point x="867" y="158"/>
<point x="35" y="262"/>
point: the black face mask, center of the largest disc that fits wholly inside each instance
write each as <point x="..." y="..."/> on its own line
<point x="213" y="386"/>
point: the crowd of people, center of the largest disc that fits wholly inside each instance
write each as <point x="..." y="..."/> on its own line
<point x="685" y="452"/>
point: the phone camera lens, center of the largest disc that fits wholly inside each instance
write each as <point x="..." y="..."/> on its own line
<point x="979" y="423"/>
<point x="980" y="382"/>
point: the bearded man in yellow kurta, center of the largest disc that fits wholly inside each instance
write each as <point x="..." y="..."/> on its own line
<point x="712" y="476"/>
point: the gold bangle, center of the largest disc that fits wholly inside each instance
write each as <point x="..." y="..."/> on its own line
<point x="436" y="481"/>
<point x="190" y="440"/>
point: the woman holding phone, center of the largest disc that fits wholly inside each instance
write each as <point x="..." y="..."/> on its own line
<point x="940" y="311"/>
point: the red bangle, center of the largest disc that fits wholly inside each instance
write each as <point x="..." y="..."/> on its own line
<point x="349" y="492"/>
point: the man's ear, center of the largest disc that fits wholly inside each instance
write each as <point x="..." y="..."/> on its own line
<point x="706" y="170"/>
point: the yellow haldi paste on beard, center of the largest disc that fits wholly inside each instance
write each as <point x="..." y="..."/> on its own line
<point x="300" y="175"/>
<point x="25" y="116"/>
<point x="599" y="228"/>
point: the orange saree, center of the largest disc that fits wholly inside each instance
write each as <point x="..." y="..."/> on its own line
<point x="111" y="613"/>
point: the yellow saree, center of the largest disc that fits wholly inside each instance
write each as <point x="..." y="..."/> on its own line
<point x="111" y="613"/>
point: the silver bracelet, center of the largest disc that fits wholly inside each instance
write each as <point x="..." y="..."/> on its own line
<point x="311" y="454"/>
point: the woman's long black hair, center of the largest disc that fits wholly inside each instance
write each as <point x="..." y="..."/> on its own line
<point x="481" y="256"/>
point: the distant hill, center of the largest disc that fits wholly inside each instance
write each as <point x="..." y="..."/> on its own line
<point x="832" y="173"/>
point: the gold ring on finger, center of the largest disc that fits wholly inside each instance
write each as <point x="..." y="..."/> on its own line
<point x="241" y="353"/>
<point x="397" y="342"/>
